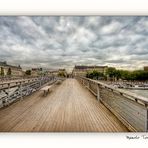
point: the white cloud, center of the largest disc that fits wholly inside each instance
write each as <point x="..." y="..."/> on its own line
<point x="113" y="27"/>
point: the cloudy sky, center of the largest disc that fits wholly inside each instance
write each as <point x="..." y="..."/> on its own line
<point x="62" y="42"/>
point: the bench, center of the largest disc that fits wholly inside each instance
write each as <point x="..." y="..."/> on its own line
<point x="45" y="89"/>
<point x="58" y="82"/>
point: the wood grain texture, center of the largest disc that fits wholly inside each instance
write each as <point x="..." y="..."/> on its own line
<point x="68" y="108"/>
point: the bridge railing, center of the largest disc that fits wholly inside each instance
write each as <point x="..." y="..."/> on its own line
<point x="14" y="90"/>
<point x="131" y="109"/>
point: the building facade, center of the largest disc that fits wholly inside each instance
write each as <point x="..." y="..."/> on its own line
<point x="145" y="68"/>
<point x="56" y="72"/>
<point x="53" y="72"/>
<point x="36" y="72"/>
<point x="15" y="70"/>
<point x="82" y="70"/>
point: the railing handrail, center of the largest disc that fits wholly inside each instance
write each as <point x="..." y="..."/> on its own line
<point x="129" y="95"/>
<point x="25" y="83"/>
<point x="20" y="80"/>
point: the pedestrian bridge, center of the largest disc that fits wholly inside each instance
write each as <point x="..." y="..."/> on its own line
<point x="71" y="107"/>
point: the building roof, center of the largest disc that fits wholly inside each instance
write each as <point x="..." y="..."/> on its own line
<point x="88" y="67"/>
<point x="146" y="68"/>
<point x="3" y="63"/>
<point x="62" y="69"/>
<point x="11" y="66"/>
<point x="53" y="71"/>
<point x="36" y="69"/>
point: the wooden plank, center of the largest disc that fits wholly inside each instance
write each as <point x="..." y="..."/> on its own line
<point x="69" y="108"/>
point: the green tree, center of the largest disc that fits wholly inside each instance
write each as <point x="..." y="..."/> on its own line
<point x="95" y="75"/>
<point x="28" y="72"/>
<point x="139" y="75"/>
<point x="111" y="72"/>
<point x="117" y="74"/>
<point x="9" y="71"/>
<point x="62" y="74"/>
<point x="2" y="71"/>
<point x="124" y="74"/>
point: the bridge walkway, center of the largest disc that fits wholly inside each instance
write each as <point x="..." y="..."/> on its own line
<point x="68" y="108"/>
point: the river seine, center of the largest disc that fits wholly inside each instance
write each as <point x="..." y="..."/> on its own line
<point x="143" y="93"/>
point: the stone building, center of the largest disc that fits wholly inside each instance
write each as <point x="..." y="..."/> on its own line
<point x="82" y="70"/>
<point x="145" y="68"/>
<point x="52" y="72"/>
<point x="15" y="70"/>
<point x="36" y="72"/>
<point x="55" y="72"/>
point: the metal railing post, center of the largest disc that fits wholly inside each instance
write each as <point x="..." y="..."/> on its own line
<point x="146" y="121"/>
<point x="21" y="90"/>
<point x="40" y="81"/>
<point x="82" y="81"/>
<point x="89" y="84"/>
<point x="98" y="92"/>
<point x="7" y="101"/>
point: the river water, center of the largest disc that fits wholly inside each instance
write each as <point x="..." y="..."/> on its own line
<point x="143" y="93"/>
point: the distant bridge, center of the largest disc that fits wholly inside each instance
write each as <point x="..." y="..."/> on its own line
<point x="70" y="107"/>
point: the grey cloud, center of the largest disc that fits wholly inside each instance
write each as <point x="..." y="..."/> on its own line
<point x="54" y="42"/>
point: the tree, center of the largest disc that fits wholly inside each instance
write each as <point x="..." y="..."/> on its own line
<point x="9" y="71"/>
<point x="62" y="74"/>
<point x="117" y="74"/>
<point x="139" y="75"/>
<point x="28" y="72"/>
<point x="124" y="74"/>
<point x="111" y="72"/>
<point x="94" y="75"/>
<point x="2" y="71"/>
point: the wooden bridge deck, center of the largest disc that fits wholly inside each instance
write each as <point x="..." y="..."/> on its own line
<point x="68" y="108"/>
